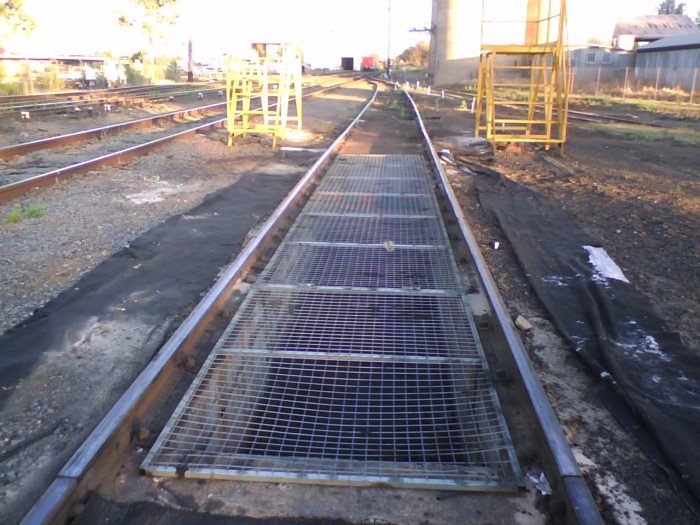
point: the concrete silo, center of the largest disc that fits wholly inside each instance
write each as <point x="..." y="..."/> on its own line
<point x="456" y="30"/>
<point x="455" y="41"/>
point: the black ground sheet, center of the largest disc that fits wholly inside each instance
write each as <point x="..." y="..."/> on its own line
<point x="168" y="267"/>
<point x="647" y="374"/>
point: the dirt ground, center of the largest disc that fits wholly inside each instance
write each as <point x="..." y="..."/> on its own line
<point x="639" y="197"/>
<point x="638" y="194"/>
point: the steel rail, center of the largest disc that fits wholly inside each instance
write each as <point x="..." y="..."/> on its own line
<point x="8" y="152"/>
<point x="96" y="96"/>
<point x="47" y="106"/>
<point x="580" y="116"/>
<point x="113" y="433"/>
<point x="10" y="99"/>
<point x="578" y="496"/>
<point x="12" y="190"/>
<point x="50" y="108"/>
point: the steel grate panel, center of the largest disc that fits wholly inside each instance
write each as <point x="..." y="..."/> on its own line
<point x="316" y="321"/>
<point x="387" y="419"/>
<point x="383" y="266"/>
<point x="340" y="204"/>
<point x="368" y="230"/>
<point x="354" y="358"/>
<point x="404" y="166"/>
<point x="398" y="185"/>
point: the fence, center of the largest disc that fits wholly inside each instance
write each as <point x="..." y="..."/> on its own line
<point x="657" y="83"/>
<point x="26" y="77"/>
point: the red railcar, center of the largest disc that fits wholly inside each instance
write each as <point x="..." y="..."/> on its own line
<point x="369" y="63"/>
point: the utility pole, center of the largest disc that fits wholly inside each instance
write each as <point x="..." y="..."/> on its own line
<point x="190" y="62"/>
<point x="388" y="51"/>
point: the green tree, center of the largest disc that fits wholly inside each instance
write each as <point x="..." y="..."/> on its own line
<point x="416" y="55"/>
<point x="13" y="18"/>
<point x="697" y="18"/>
<point x="150" y="16"/>
<point x="669" y="7"/>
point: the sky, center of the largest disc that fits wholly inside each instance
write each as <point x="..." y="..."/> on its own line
<point x="326" y="29"/>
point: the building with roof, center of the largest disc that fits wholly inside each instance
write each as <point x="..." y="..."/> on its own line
<point x="636" y="31"/>
<point x="674" y="61"/>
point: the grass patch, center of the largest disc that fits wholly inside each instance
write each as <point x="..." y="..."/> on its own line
<point x="28" y="212"/>
<point x="34" y="210"/>
<point x="636" y="132"/>
<point x="680" y="109"/>
<point x="14" y="216"/>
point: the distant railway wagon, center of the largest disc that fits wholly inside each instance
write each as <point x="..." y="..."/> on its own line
<point x="370" y="63"/>
<point x="347" y="63"/>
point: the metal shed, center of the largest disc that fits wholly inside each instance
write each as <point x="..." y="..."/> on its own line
<point x="631" y="31"/>
<point x="674" y="61"/>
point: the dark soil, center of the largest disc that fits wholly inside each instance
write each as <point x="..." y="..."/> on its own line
<point x="641" y="200"/>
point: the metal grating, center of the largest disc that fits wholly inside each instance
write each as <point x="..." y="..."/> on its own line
<point x="394" y="185"/>
<point x="373" y="205"/>
<point x="369" y="230"/>
<point x="354" y="358"/>
<point x="371" y="266"/>
<point x="332" y="322"/>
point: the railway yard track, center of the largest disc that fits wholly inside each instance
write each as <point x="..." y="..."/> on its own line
<point x="573" y="115"/>
<point x="93" y="101"/>
<point x="351" y="360"/>
<point x="43" y="161"/>
<point x="362" y="353"/>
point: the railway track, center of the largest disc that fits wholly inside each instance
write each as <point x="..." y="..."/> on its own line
<point x="93" y="100"/>
<point x="576" y="116"/>
<point x="364" y="353"/>
<point x="31" y="172"/>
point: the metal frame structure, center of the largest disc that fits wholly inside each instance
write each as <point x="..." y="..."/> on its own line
<point x="533" y="75"/>
<point x="273" y="76"/>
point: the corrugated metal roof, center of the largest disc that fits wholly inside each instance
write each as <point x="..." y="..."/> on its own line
<point x="690" y="40"/>
<point x="654" y="27"/>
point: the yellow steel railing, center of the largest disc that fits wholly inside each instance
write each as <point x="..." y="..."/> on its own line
<point x="258" y="91"/>
<point x="532" y="75"/>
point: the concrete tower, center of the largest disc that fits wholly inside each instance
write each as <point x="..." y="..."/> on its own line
<point x="456" y="30"/>
<point x="455" y="40"/>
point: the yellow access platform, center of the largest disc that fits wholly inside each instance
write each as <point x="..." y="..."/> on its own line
<point x="258" y="91"/>
<point x="523" y="87"/>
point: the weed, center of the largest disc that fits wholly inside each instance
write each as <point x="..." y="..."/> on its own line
<point x="34" y="210"/>
<point x="463" y="105"/>
<point x="14" y="216"/>
<point x="677" y="191"/>
<point x="636" y="132"/>
<point x="394" y="104"/>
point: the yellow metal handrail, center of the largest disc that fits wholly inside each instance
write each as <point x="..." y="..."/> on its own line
<point x="270" y="79"/>
<point x="532" y="71"/>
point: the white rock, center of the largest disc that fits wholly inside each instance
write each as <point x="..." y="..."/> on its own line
<point x="523" y="324"/>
